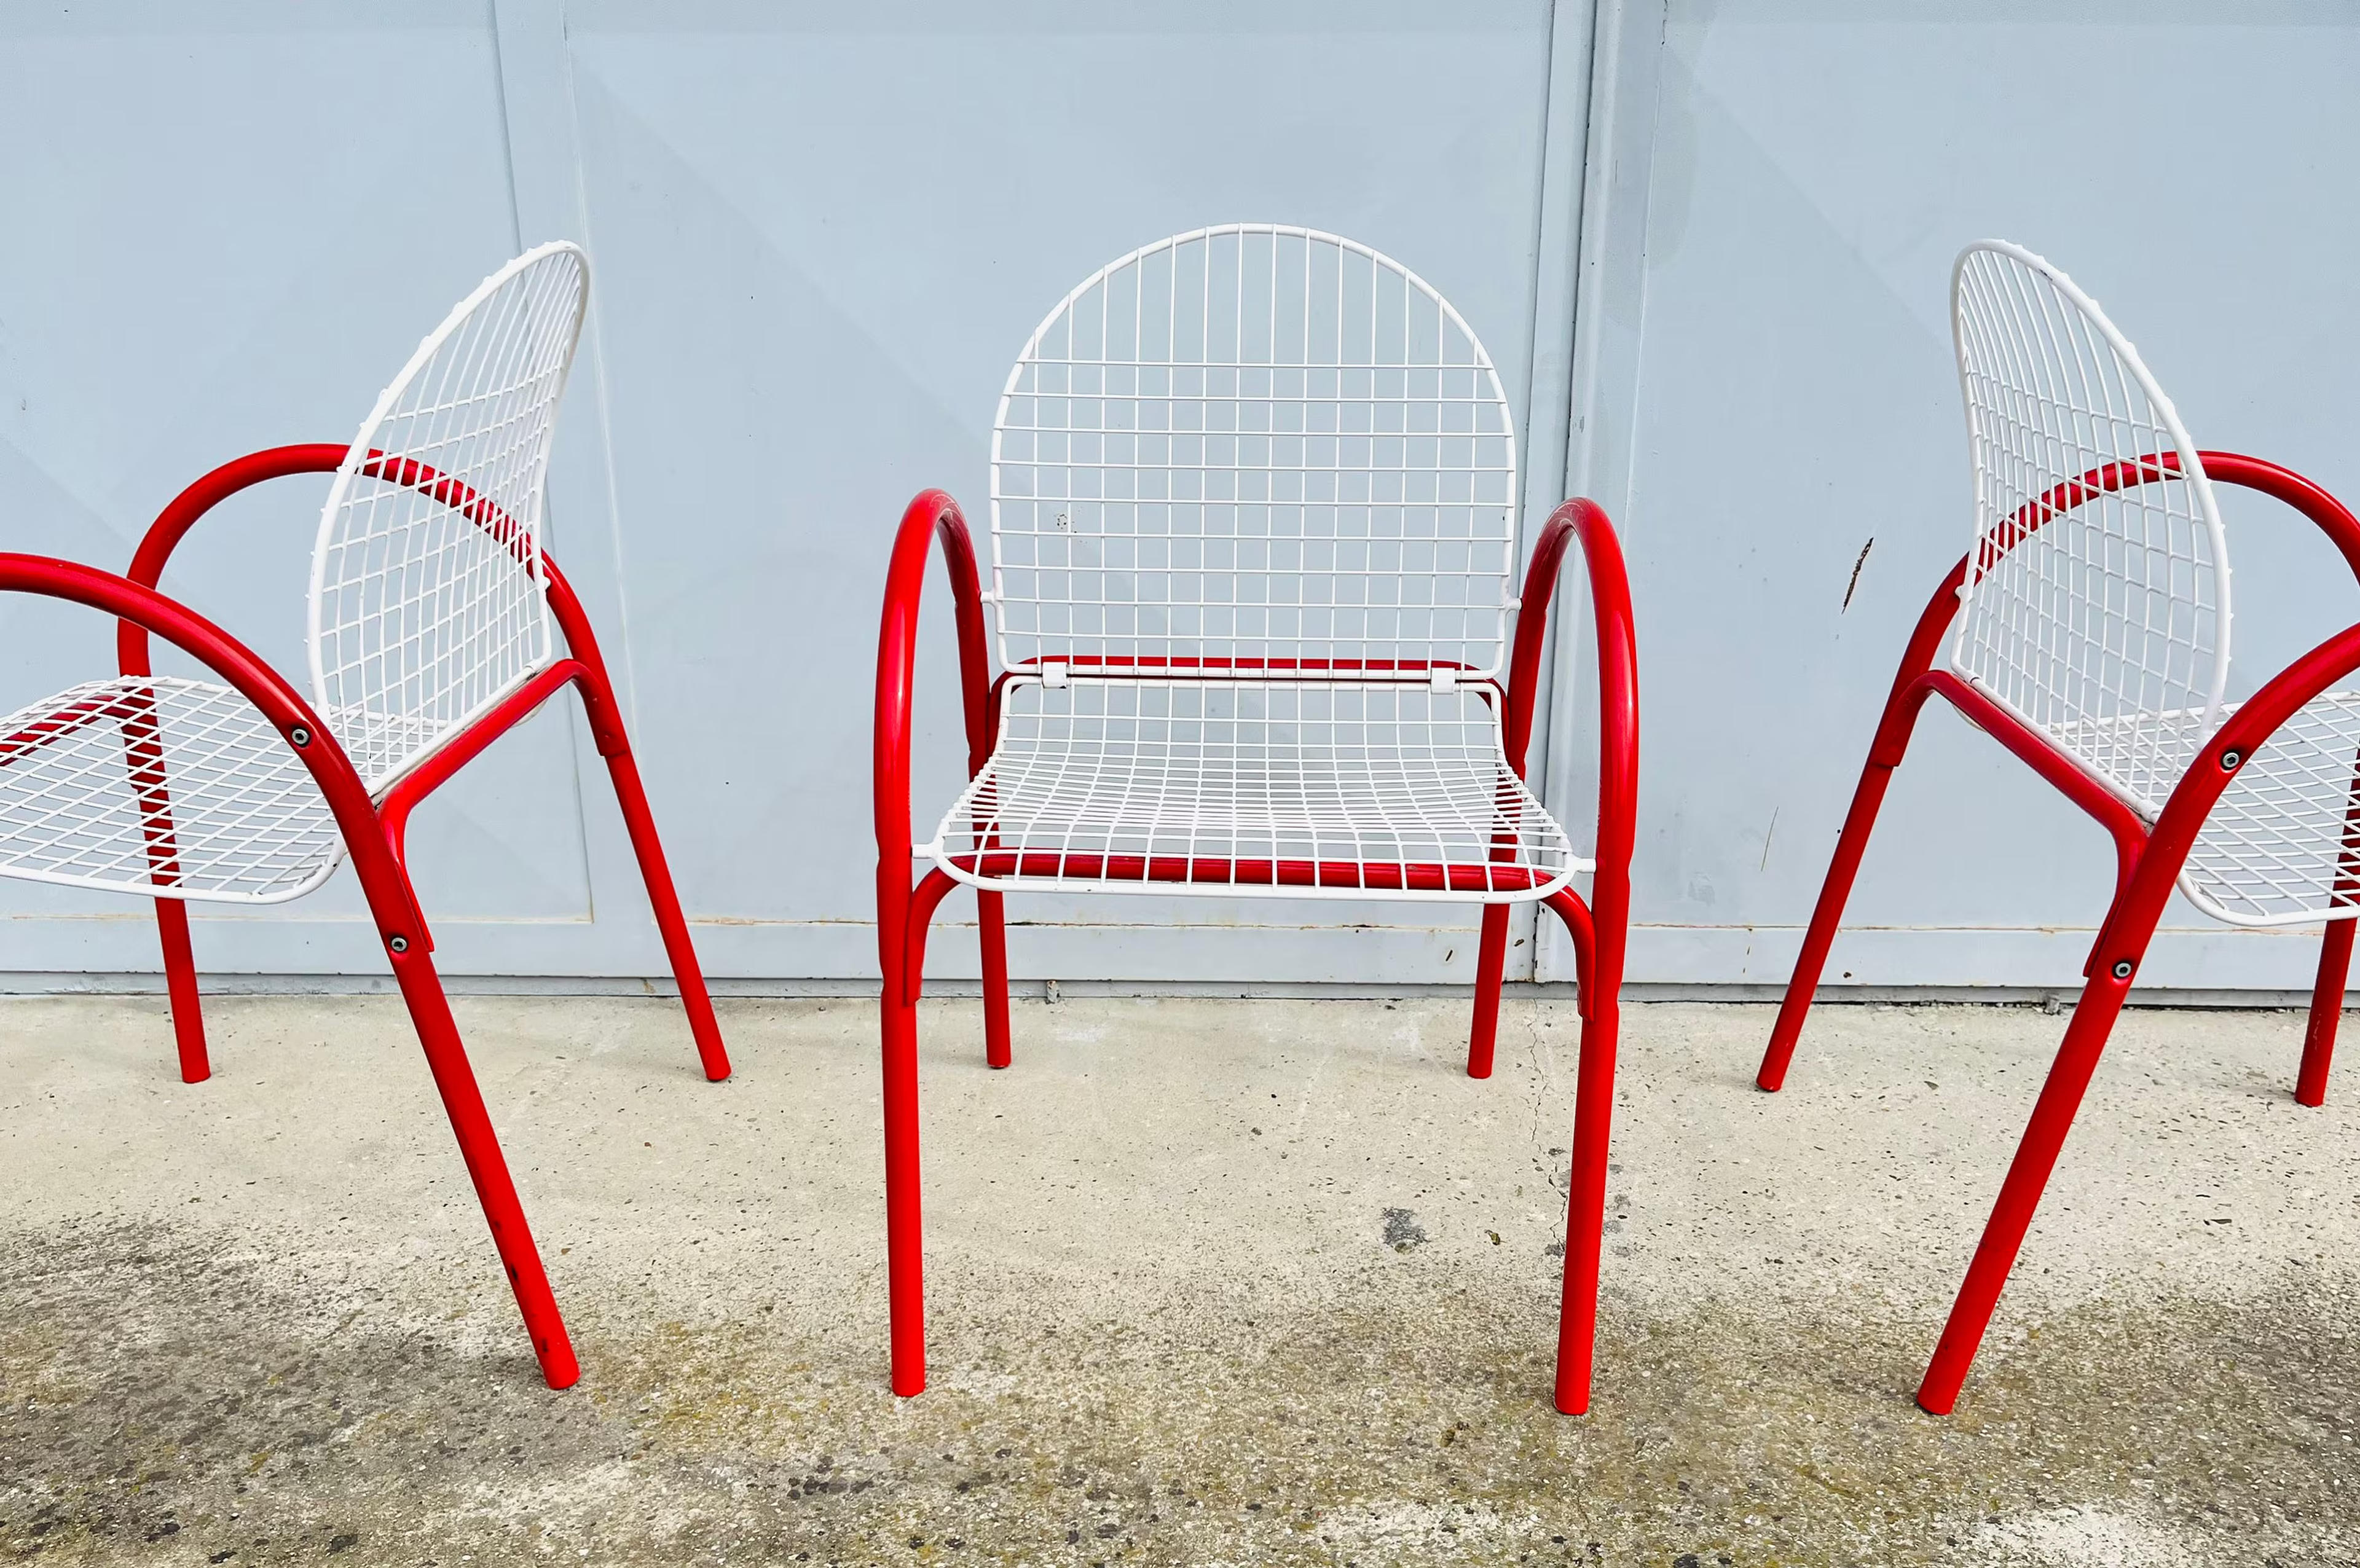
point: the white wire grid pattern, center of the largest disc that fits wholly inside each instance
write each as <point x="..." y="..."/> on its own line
<point x="1387" y="787"/>
<point x="427" y="603"/>
<point x="2111" y="609"/>
<point x="162" y="785"/>
<point x="1253" y="444"/>
<point x="2282" y="846"/>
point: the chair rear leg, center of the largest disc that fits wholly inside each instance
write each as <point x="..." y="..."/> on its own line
<point x="181" y="990"/>
<point x="1490" y="964"/>
<point x="2019" y="1195"/>
<point x="992" y="930"/>
<point x="1826" y="915"/>
<point x="2326" y="1012"/>
<point x="632" y="796"/>
<point x="438" y="1033"/>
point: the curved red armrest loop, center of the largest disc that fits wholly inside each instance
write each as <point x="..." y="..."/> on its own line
<point x="1618" y="693"/>
<point x="173" y="523"/>
<point x="932" y="516"/>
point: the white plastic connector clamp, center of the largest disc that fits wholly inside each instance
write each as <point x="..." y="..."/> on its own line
<point x="1053" y="675"/>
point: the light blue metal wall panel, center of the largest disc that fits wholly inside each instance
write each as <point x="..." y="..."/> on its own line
<point x="820" y="234"/>
<point x="823" y="242"/>
<point x="1812" y="169"/>
<point x="230" y="225"/>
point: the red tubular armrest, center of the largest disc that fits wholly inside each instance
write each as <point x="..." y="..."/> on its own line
<point x="1618" y="704"/>
<point x="173" y="523"/>
<point x="932" y="516"/>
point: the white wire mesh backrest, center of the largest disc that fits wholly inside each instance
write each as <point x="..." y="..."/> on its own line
<point x="2116" y="603"/>
<point x="1253" y="445"/>
<point x="427" y="602"/>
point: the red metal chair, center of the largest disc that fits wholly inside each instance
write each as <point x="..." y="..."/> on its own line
<point x="1253" y="532"/>
<point x="2087" y="631"/>
<point x="430" y="612"/>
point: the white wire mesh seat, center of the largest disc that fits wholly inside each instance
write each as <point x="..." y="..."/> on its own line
<point x="154" y="783"/>
<point x="1323" y="788"/>
<point x="2088" y="629"/>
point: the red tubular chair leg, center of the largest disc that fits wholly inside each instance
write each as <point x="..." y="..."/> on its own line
<point x="1884" y="755"/>
<point x="1593" y="1114"/>
<point x="181" y="989"/>
<point x="665" y="901"/>
<point x="438" y="1033"/>
<point x="991" y="932"/>
<point x="2326" y="1012"/>
<point x="904" y="1234"/>
<point x="2129" y="925"/>
<point x="2028" y="1178"/>
<point x="903" y="951"/>
<point x="1827" y="915"/>
<point x="1491" y="962"/>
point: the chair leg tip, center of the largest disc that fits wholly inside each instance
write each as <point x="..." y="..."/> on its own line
<point x="561" y="1373"/>
<point x="1937" y="1405"/>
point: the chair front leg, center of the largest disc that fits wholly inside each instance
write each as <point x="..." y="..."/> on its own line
<point x="2028" y="1178"/>
<point x="2326" y="1013"/>
<point x="1593" y="1116"/>
<point x="181" y="990"/>
<point x="902" y="946"/>
<point x="463" y="1100"/>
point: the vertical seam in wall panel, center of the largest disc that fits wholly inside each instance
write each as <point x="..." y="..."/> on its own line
<point x="529" y="37"/>
<point x="1626" y="45"/>
<point x="1557" y="250"/>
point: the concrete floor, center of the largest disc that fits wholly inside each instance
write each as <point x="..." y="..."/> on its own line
<point x="1212" y="1283"/>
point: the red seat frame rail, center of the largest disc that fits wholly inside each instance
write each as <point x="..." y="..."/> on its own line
<point x="2147" y="863"/>
<point x="903" y="912"/>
